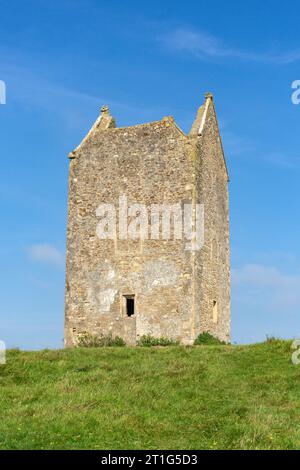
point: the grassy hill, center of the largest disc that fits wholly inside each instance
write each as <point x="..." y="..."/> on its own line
<point x="201" y="397"/>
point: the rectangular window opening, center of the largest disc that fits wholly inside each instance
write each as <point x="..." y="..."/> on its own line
<point x="130" y="307"/>
<point x="215" y="312"/>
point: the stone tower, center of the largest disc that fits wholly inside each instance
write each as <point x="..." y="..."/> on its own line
<point x="133" y="280"/>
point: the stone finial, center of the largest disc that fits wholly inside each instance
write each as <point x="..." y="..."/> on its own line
<point x="167" y="120"/>
<point x="105" y="109"/>
<point x="106" y="120"/>
<point x="208" y="95"/>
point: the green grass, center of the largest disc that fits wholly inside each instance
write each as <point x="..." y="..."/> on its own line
<point x="200" y="397"/>
<point x="208" y="339"/>
<point x="148" y="340"/>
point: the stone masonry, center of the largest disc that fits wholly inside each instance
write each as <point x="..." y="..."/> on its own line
<point x="148" y="286"/>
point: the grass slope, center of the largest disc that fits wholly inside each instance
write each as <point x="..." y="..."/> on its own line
<point x="203" y="397"/>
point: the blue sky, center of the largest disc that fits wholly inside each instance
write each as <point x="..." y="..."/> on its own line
<point x="62" y="60"/>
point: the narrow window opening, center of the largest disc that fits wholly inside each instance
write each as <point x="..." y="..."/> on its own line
<point x="130" y="307"/>
<point x="215" y="311"/>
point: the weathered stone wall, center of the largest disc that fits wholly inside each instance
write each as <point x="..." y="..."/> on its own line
<point x="149" y="164"/>
<point x="212" y="264"/>
<point x="174" y="288"/>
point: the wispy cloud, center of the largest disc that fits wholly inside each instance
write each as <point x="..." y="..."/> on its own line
<point x="46" y="253"/>
<point x="269" y="285"/>
<point x="240" y="146"/>
<point x="205" y="46"/>
<point x="286" y="162"/>
<point x="34" y="88"/>
<point x="236" y="145"/>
